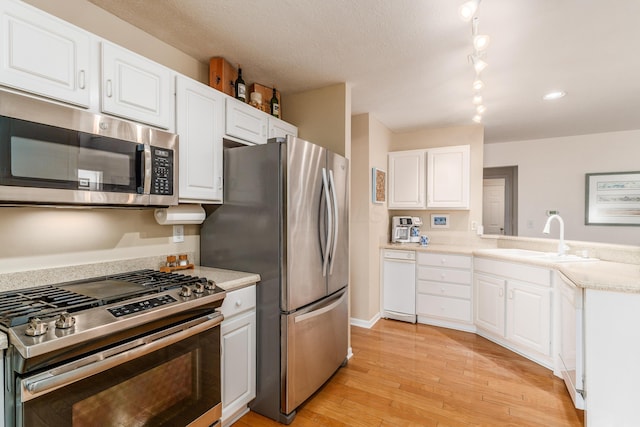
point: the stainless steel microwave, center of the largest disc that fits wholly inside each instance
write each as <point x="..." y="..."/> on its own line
<point x="54" y="154"/>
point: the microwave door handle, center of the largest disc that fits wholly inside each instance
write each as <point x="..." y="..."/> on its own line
<point x="335" y="221"/>
<point x="146" y="176"/>
<point x="325" y="192"/>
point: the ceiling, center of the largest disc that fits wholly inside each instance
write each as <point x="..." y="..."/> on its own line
<point x="407" y="60"/>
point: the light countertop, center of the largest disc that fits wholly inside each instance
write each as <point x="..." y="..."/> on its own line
<point x="596" y="275"/>
<point x="228" y="280"/>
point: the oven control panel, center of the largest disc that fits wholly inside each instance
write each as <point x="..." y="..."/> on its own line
<point x="147" y="304"/>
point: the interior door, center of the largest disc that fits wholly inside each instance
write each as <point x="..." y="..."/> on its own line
<point x="493" y="205"/>
<point x="338" y="268"/>
<point x="303" y="260"/>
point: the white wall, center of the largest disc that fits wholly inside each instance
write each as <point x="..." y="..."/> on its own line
<point x="551" y="175"/>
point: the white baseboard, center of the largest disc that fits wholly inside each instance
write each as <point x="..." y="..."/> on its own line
<point x="365" y="323"/>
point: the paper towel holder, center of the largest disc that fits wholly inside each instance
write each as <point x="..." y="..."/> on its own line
<point x="181" y="214"/>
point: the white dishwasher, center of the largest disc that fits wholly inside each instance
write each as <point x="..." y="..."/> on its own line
<point x="399" y="285"/>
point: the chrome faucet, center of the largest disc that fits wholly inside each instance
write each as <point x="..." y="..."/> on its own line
<point x="562" y="248"/>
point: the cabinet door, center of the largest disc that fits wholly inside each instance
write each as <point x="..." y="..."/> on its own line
<point x="529" y="316"/>
<point x="238" y="362"/>
<point x="407" y="179"/>
<point x="489" y="303"/>
<point x="199" y="123"/>
<point x="136" y="88"/>
<point x="279" y="128"/>
<point x="44" y="55"/>
<point x="448" y="177"/>
<point x="245" y="122"/>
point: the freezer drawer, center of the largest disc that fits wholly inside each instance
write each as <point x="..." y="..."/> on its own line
<point x="315" y="347"/>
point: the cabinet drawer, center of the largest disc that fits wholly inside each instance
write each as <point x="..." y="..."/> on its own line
<point x="444" y="289"/>
<point x="449" y="308"/>
<point x="444" y="275"/>
<point x="444" y="260"/>
<point x="238" y="301"/>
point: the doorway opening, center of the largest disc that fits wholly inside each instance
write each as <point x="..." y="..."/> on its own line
<point x="500" y="200"/>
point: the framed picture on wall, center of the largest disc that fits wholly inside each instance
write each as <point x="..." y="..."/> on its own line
<point x="378" y="185"/>
<point x="612" y="198"/>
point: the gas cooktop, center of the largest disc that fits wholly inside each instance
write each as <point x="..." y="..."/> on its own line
<point x="47" y="323"/>
<point x="18" y="307"/>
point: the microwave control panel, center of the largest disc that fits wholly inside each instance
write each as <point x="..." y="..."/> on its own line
<point x="161" y="171"/>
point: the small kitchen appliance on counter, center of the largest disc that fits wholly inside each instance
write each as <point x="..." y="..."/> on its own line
<point x="401" y="229"/>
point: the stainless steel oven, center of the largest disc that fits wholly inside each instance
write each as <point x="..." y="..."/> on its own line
<point x="169" y="378"/>
<point x="136" y="349"/>
<point x="53" y="154"/>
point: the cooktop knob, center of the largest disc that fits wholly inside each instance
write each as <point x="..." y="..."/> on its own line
<point x="198" y="288"/>
<point x="36" y="327"/>
<point x="65" y="321"/>
<point x="210" y="285"/>
<point x="185" y="291"/>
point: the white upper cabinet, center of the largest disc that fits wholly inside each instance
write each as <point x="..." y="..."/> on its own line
<point x="448" y="177"/>
<point x="279" y="128"/>
<point x="407" y="180"/>
<point x="245" y="122"/>
<point x="136" y="88"/>
<point x="199" y="124"/>
<point x="44" y="55"/>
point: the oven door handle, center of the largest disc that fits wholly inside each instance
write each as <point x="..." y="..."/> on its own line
<point x="55" y="378"/>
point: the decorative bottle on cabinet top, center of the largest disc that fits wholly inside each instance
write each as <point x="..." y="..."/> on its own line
<point x="241" y="88"/>
<point x="275" y="105"/>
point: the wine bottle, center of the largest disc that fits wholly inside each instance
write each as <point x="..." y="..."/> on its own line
<point x="275" y="105"/>
<point x="241" y="88"/>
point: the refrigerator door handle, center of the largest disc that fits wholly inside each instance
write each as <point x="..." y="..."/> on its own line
<point x="320" y="310"/>
<point x="335" y="221"/>
<point x="325" y="255"/>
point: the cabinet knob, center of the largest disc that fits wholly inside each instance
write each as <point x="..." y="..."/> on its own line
<point x="443" y="261"/>
<point x="238" y="303"/>
<point x="442" y="276"/>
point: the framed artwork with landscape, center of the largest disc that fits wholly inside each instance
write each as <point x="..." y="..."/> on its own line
<point x="612" y="198"/>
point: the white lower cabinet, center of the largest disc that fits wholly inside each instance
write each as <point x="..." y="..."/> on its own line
<point x="444" y="290"/>
<point x="238" y="342"/>
<point x="513" y="312"/>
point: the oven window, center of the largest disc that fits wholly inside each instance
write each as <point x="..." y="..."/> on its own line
<point x="170" y="387"/>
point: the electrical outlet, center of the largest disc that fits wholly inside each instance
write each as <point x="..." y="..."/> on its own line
<point x="178" y="233"/>
<point x="474" y="225"/>
<point x="530" y="223"/>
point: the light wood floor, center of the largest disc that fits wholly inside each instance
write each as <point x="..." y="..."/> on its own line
<point x="418" y="375"/>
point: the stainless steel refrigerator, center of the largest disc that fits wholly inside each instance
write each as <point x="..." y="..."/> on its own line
<point x="285" y="216"/>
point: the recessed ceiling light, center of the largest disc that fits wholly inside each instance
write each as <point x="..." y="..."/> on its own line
<point x="477" y="118"/>
<point x="554" y="95"/>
